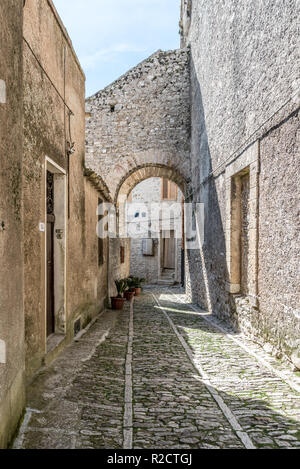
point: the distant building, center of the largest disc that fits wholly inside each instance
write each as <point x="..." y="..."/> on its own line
<point x="156" y="232"/>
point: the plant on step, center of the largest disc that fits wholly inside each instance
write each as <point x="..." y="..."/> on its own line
<point x="121" y="287"/>
<point x="117" y="302"/>
<point x="130" y="290"/>
<point x="136" y="284"/>
<point x="130" y="285"/>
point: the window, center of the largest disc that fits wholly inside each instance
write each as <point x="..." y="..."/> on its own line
<point x="100" y="234"/>
<point x="169" y="190"/>
<point x="122" y="254"/>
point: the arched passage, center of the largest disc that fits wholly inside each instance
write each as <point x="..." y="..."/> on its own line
<point x="154" y="221"/>
<point x="133" y="178"/>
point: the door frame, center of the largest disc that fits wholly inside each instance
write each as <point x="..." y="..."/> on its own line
<point x="51" y="225"/>
<point x="167" y="243"/>
<point x="60" y="246"/>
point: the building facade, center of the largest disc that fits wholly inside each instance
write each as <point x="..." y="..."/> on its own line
<point x="244" y="165"/>
<point x="219" y="118"/>
<point x="155" y="227"/>
<point x="64" y="283"/>
<point x="12" y="347"/>
<point x="54" y="276"/>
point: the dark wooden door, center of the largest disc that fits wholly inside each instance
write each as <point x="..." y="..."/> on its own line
<point x="50" y="275"/>
<point x="169" y="252"/>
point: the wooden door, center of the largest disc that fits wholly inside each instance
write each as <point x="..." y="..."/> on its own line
<point x="50" y="275"/>
<point x="169" y="252"/>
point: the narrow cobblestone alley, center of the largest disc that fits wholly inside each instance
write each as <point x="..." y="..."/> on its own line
<point x="162" y="375"/>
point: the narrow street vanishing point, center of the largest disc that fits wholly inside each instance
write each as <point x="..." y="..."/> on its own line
<point x="162" y="374"/>
<point x="171" y="174"/>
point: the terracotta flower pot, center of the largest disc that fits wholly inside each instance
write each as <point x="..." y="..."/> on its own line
<point x="129" y="294"/>
<point x="137" y="291"/>
<point x="117" y="303"/>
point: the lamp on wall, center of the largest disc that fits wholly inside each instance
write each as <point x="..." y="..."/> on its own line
<point x="70" y="148"/>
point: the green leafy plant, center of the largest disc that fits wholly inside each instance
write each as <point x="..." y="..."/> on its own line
<point x="135" y="282"/>
<point x="130" y="285"/>
<point x="121" y="287"/>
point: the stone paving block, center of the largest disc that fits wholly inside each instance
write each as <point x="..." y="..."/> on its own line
<point x="83" y="406"/>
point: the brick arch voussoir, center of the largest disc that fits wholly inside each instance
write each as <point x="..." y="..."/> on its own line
<point x="139" y="174"/>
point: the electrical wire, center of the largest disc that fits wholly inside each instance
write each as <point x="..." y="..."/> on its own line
<point x="41" y="66"/>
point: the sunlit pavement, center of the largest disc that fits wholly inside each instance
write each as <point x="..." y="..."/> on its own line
<point x="162" y="375"/>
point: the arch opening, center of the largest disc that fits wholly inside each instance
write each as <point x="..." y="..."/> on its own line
<point x="151" y="214"/>
<point x="135" y="177"/>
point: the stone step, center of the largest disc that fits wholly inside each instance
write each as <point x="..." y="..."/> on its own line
<point x="165" y="282"/>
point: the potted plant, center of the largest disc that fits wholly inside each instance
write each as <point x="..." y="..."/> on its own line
<point x="130" y="284"/>
<point x="136" y="284"/>
<point x="129" y="294"/>
<point x="117" y="302"/>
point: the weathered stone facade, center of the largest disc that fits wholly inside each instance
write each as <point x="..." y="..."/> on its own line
<point x="145" y="266"/>
<point x="12" y="396"/>
<point x="150" y="267"/>
<point x="142" y="120"/>
<point x="133" y="132"/>
<point x="54" y="114"/>
<point x="244" y="82"/>
<point x="220" y="118"/>
<point x="42" y="120"/>
<point x="233" y="84"/>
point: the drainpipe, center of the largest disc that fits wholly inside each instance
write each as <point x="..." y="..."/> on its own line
<point x="183" y="248"/>
<point x="107" y="272"/>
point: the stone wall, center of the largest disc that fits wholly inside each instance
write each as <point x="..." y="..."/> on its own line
<point x="118" y="270"/>
<point x="12" y="395"/>
<point x="149" y="267"/>
<point x="147" y="192"/>
<point x="54" y="97"/>
<point x="142" y="119"/>
<point x="244" y="82"/>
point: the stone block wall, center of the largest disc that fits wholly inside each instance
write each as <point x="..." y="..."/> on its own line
<point x="142" y="119"/>
<point x="244" y="91"/>
<point x="12" y="365"/>
<point x="118" y="270"/>
<point x="149" y="267"/>
<point x="147" y="192"/>
<point x="54" y="107"/>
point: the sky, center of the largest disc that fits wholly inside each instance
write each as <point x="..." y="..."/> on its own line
<point x="112" y="36"/>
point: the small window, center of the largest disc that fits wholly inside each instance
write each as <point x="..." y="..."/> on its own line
<point x="122" y="254"/>
<point x="112" y="108"/>
<point x="169" y="190"/>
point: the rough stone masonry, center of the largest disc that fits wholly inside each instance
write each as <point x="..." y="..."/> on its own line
<point x="223" y="112"/>
<point x="141" y="119"/>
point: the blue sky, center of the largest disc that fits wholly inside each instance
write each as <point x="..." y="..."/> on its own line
<point x="111" y="36"/>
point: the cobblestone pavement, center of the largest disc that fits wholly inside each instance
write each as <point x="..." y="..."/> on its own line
<point x="162" y="375"/>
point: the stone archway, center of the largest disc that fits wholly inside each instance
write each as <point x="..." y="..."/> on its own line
<point x="135" y="177"/>
<point x="137" y="128"/>
<point x="140" y="121"/>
